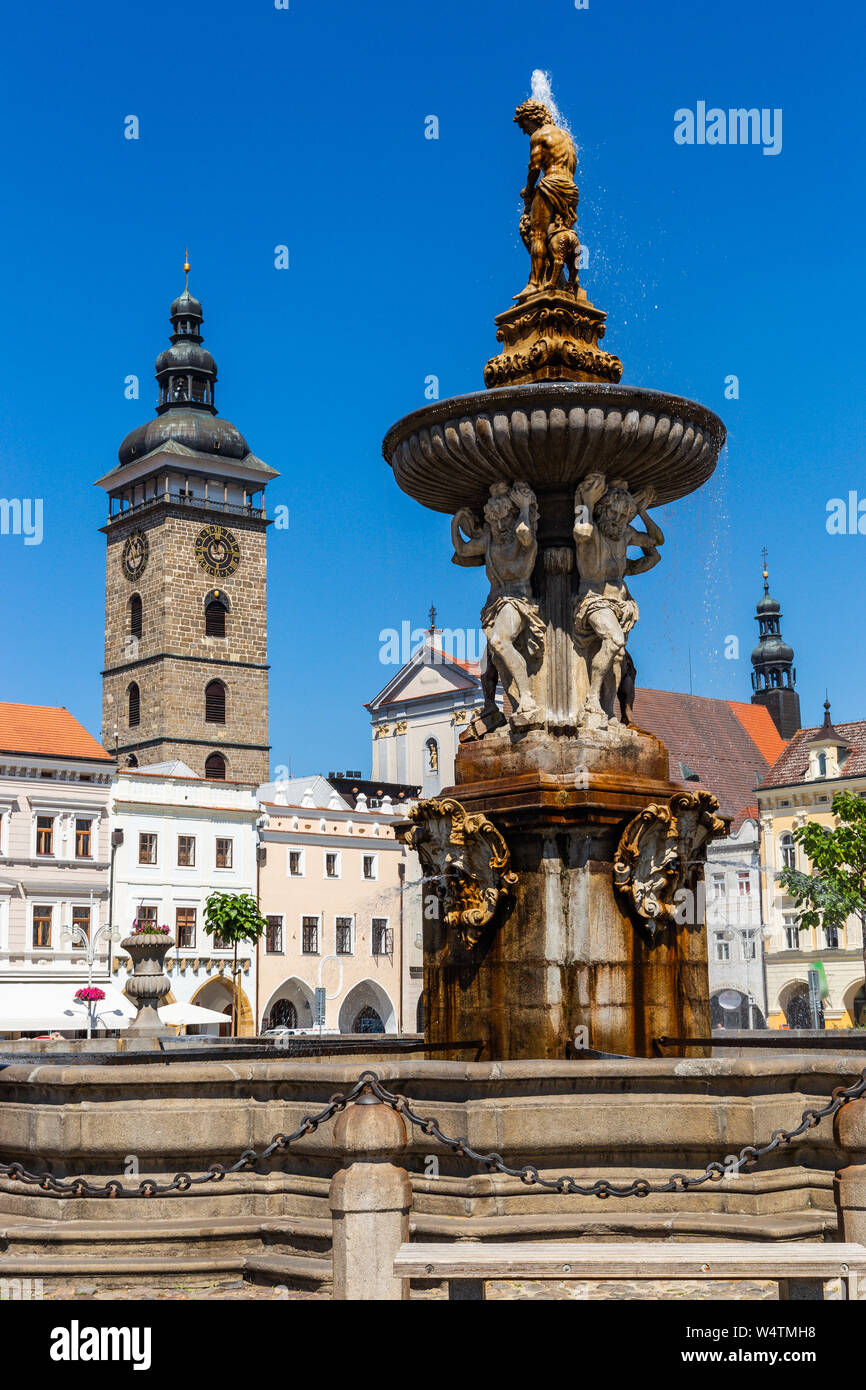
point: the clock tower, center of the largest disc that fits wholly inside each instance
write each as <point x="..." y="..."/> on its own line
<point x="186" y="664"/>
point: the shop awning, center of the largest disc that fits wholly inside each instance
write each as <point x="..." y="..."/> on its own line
<point x="51" y="1007"/>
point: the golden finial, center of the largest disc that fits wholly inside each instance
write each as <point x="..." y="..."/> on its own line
<point x="186" y="266"/>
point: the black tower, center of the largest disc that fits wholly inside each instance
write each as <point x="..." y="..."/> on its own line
<point x="774" y="677"/>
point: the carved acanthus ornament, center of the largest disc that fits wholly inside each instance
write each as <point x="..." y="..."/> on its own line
<point x="466" y="860"/>
<point x="659" y="851"/>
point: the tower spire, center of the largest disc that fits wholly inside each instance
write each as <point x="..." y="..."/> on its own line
<point x="774" y="676"/>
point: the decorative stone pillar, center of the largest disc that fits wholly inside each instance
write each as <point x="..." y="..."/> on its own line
<point x="370" y="1199"/>
<point x="849" y="1127"/>
<point x="148" y="985"/>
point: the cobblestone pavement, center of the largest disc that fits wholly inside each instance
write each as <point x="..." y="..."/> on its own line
<point x="545" y="1290"/>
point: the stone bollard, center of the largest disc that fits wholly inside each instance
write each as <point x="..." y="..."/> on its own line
<point x="370" y="1199"/>
<point x="849" y="1127"/>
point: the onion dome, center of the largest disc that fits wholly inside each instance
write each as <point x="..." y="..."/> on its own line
<point x="186" y="375"/>
<point x="772" y="658"/>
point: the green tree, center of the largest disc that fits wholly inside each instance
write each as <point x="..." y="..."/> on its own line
<point x="235" y="918"/>
<point x="835" y="888"/>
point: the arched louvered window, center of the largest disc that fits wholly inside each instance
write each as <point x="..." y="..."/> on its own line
<point x="135" y="616"/>
<point x="284" y="1014"/>
<point x="133" y="695"/>
<point x="215" y="703"/>
<point x="215" y="767"/>
<point x="215" y="618"/>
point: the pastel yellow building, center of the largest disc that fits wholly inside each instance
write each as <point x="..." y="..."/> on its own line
<point x="342" y="897"/>
<point x="800" y="787"/>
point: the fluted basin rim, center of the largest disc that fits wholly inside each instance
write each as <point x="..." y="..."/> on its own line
<point x="667" y="440"/>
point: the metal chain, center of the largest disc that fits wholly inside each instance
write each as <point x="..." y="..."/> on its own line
<point x="603" y="1187"/>
<point x="369" y="1082"/>
<point x="182" y="1182"/>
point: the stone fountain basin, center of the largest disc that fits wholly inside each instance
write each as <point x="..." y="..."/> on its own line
<point x="552" y="434"/>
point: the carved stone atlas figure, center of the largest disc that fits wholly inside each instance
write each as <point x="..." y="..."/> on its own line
<point x="604" y="610"/>
<point x="505" y="542"/>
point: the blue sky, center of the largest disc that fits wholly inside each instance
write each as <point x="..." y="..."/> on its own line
<point x="305" y="127"/>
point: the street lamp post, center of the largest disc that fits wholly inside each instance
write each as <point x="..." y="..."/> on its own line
<point x="78" y="936"/>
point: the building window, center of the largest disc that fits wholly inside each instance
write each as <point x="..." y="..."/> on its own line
<point x="371" y="866"/>
<point x="147" y="849"/>
<point x="42" y="928"/>
<point x="832" y="936"/>
<point x="283" y="1015"/>
<point x="274" y="936"/>
<point x="215" y="618"/>
<point x="224" y="853"/>
<point x="822" y="764"/>
<point x="133" y="701"/>
<point x="723" y="947"/>
<point x="296" y="863"/>
<point x="344" y="936"/>
<point x="792" y="935"/>
<point x="184" y="919"/>
<point x="81" y="918"/>
<point x="186" y="851"/>
<point x="750" y="946"/>
<point x="215" y="767"/>
<point x="310" y="936"/>
<point x="788" y="852"/>
<point x="718" y="886"/>
<point x="44" y="835"/>
<point x="383" y="943"/>
<point x="332" y="866"/>
<point x="215" y="703"/>
<point x="368" y="1021"/>
<point x="146" y="916"/>
<point x="82" y="839"/>
<point x="136" y="623"/>
<point x="744" y="884"/>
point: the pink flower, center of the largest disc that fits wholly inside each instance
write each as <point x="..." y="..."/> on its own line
<point x="91" y="995"/>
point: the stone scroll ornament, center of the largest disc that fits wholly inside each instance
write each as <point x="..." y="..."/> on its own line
<point x="505" y="542"/>
<point x="466" y="859"/>
<point x="657" y="851"/>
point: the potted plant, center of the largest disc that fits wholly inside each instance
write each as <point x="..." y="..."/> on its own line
<point x="148" y="945"/>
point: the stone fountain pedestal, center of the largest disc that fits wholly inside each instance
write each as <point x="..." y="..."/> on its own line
<point x="564" y="967"/>
<point x="553" y="864"/>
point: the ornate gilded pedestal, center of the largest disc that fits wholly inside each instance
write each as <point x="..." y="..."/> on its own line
<point x="563" y="823"/>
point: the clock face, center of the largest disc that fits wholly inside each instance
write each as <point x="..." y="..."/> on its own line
<point x="217" y="551"/>
<point x="133" y="560"/>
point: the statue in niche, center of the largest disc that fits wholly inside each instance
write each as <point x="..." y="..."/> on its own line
<point x="505" y="542"/>
<point x="604" y="610"/>
<point x="549" y="201"/>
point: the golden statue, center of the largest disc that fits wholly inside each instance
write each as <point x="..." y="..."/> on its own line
<point x="549" y="201"/>
<point x="552" y="332"/>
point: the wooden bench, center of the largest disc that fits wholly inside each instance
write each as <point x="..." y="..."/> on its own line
<point x="800" y="1268"/>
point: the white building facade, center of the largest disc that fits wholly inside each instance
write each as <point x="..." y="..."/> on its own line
<point x="55" y="783"/>
<point x="736" y="933"/>
<point x="185" y="837"/>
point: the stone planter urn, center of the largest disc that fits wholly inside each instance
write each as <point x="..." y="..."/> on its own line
<point x="148" y="985"/>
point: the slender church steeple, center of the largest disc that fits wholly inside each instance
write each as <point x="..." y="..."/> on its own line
<point x="774" y="676"/>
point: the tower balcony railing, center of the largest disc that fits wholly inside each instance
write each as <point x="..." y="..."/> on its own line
<point x="184" y="499"/>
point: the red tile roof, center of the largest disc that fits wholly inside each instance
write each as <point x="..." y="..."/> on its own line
<point x="794" y="761"/>
<point x="49" y="731"/>
<point x="723" y="742"/>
